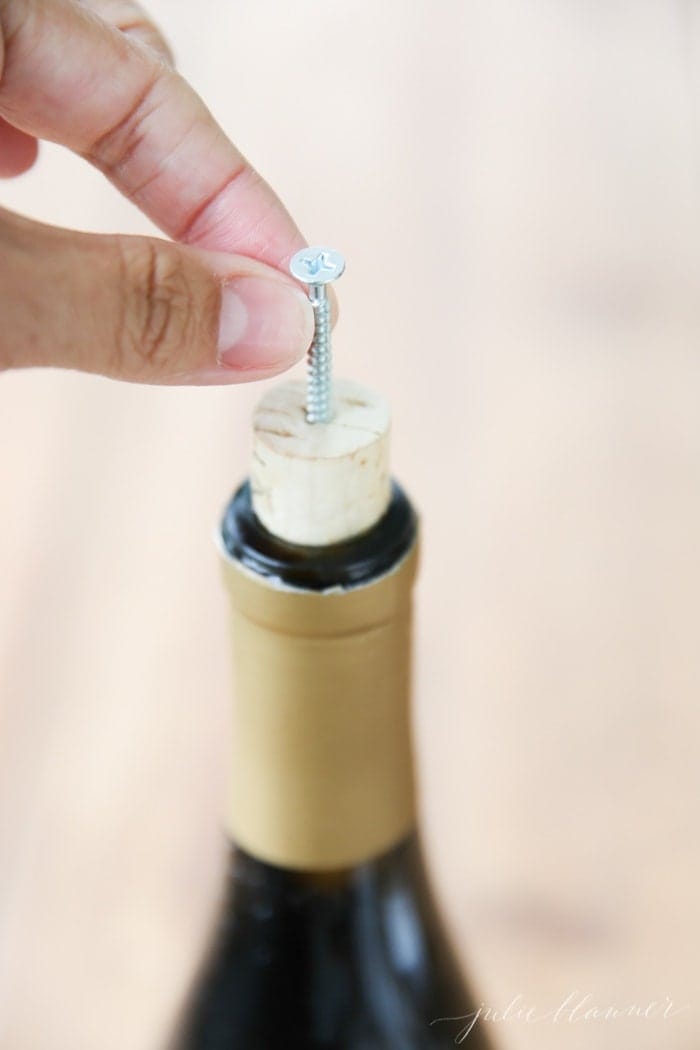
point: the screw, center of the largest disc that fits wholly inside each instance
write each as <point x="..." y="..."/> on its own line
<point x="317" y="267"/>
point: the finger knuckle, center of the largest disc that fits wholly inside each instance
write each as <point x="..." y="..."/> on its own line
<point x="158" y="309"/>
<point x="116" y="148"/>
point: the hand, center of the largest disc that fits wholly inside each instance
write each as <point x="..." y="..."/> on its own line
<point x="217" y="307"/>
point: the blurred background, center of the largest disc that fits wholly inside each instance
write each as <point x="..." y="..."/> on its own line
<point x="516" y="188"/>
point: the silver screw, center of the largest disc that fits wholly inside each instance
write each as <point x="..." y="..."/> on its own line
<point x="317" y="267"/>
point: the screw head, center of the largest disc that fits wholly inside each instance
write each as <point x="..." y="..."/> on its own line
<point x="317" y="265"/>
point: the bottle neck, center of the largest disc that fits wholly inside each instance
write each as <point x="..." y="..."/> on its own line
<point x="321" y="776"/>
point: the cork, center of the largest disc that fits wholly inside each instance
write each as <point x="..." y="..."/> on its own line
<point x="320" y="483"/>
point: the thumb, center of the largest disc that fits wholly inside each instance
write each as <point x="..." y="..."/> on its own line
<point x="143" y="309"/>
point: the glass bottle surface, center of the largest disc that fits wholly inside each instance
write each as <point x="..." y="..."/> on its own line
<point x="354" y="959"/>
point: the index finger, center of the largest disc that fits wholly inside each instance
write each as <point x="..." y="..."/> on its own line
<point x="68" y="76"/>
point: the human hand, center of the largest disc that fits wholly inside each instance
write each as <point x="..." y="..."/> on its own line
<point x="217" y="307"/>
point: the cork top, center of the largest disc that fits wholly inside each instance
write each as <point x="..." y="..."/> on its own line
<point x="320" y="483"/>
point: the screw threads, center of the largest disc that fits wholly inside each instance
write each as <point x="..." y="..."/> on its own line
<point x="318" y="385"/>
<point x="317" y="267"/>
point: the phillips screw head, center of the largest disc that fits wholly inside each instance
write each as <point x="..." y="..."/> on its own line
<point x="317" y="265"/>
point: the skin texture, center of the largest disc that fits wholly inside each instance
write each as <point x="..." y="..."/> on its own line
<point x="212" y="305"/>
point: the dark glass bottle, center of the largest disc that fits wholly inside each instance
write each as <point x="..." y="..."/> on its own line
<point x="346" y="957"/>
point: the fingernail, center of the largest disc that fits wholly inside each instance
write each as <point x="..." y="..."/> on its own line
<point x="264" y="323"/>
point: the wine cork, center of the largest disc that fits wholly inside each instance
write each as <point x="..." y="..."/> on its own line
<point x="320" y="483"/>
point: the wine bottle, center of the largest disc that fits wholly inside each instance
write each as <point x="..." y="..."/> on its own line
<point x="329" y="938"/>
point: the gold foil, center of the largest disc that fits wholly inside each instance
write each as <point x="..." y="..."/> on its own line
<point x="321" y="770"/>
